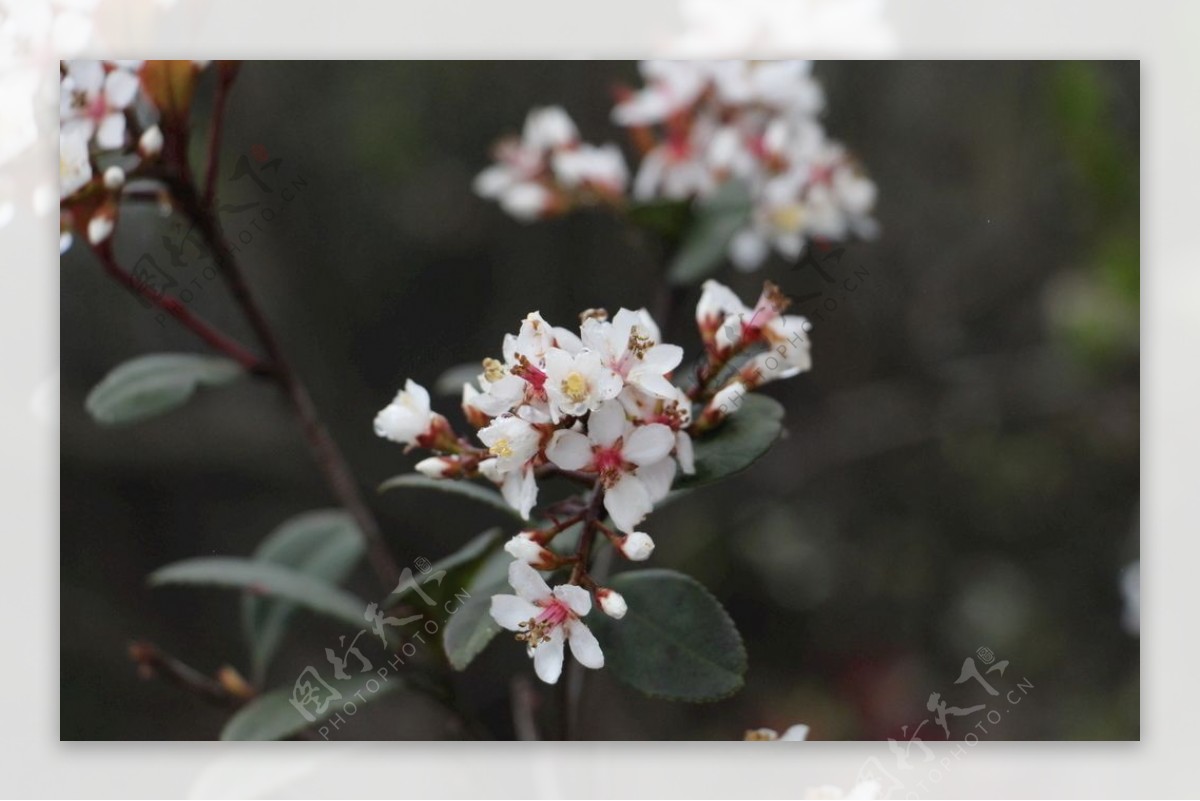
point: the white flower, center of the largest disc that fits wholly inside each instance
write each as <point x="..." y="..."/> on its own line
<point x="602" y="168"/>
<point x="524" y="547"/>
<point x="513" y="440"/>
<point x="74" y="167"/>
<point x="670" y="87"/>
<point x="612" y="603"/>
<point x="408" y="417"/>
<point x="798" y="732"/>
<point x="615" y="449"/>
<point x="546" y="619"/>
<point x="627" y="345"/>
<point x="578" y="384"/>
<point x="549" y="128"/>
<point x="674" y="412"/>
<point x="94" y="96"/>
<point x="637" y="546"/>
<point x="518" y="487"/>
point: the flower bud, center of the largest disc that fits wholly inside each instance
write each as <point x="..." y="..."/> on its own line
<point x="151" y="142"/>
<point x="114" y="178"/>
<point x="524" y="547"/>
<point x="100" y="228"/>
<point x="612" y="603"/>
<point x="637" y="546"/>
<point x="436" y="467"/>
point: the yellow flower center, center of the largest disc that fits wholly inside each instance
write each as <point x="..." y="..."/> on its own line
<point x="788" y="218"/>
<point x="575" y="387"/>
<point x="501" y="448"/>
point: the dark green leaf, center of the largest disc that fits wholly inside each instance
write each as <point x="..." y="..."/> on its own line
<point x="718" y="218"/>
<point x="458" y="487"/>
<point x="667" y="218"/>
<point x="272" y="716"/>
<point x="451" y="381"/>
<point x="471" y="627"/>
<point x="153" y="384"/>
<point x="265" y="578"/>
<point x="460" y="567"/>
<point x="324" y="544"/>
<point x="745" y="435"/>
<point x="675" y="642"/>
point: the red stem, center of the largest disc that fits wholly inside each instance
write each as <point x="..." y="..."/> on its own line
<point x="179" y="311"/>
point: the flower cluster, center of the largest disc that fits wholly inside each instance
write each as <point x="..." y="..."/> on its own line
<point x="698" y="125"/>
<point x="597" y="407"/>
<point x="103" y="146"/>
<point x="548" y="171"/>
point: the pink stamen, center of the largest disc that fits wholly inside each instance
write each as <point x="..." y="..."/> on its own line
<point x="555" y="613"/>
<point x="608" y="459"/>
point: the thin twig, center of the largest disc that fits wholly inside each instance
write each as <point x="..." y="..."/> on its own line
<point x="153" y="662"/>
<point x="225" y="77"/>
<point x="174" y="307"/>
<point x="325" y="450"/>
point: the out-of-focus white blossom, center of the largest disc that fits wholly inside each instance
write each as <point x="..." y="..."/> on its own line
<point x="74" y="166"/>
<point x="546" y="620"/>
<point x="94" y="96"/>
<point x="408" y="417"/>
<point x="548" y="170"/>
<point x="702" y="124"/>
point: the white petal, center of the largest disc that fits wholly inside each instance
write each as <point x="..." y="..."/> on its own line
<point x="520" y="491"/>
<point x="658" y="478"/>
<point x="661" y="359"/>
<point x="493" y="181"/>
<point x="120" y="88"/>
<point x="576" y="597"/>
<point x="584" y="646"/>
<point x="528" y="583"/>
<point x="797" y="732"/>
<point x="111" y="134"/>
<point x="648" y="444"/>
<point x="510" y="611"/>
<point x="685" y="453"/>
<point x="748" y="249"/>
<point x="628" y="502"/>
<point x="569" y="450"/>
<point x="607" y="423"/>
<point x="548" y="657"/>
<point x="567" y="340"/>
<point x="654" y="384"/>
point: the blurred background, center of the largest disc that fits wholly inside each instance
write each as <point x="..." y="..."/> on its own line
<point x="960" y="470"/>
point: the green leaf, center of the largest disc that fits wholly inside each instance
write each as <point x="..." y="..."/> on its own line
<point x="272" y="716"/>
<point x="324" y="544"/>
<point x="675" y="642"/>
<point x="265" y="578"/>
<point x="745" y="435"/>
<point x="471" y="628"/>
<point x="455" y="486"/>
<point x="668" y="218"/>
<point x="718" y="218"/>
<point x="451" y="381"/>
<point x="460" y="567"/>
<point x="153" y="384"/>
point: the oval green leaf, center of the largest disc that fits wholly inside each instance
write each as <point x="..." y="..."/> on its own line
<point x="272" y="716"/>
<point x="153" y="384"/>
<point x="325" y="544"/>
<point x="676" y="641"/>
<point x="706" y="242"/>
<point x="471" y="628"/>
<point x="265" y="578"/>
<point x="745" y="436"/>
